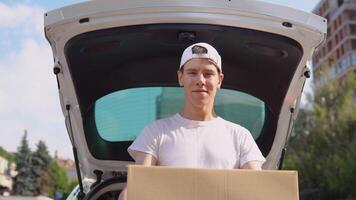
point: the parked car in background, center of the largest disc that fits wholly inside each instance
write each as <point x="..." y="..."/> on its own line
<point x="116" y="62"/>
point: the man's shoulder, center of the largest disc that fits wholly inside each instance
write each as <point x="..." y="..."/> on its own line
<point x="162" y="122"/>
<point x="233" y="126"/>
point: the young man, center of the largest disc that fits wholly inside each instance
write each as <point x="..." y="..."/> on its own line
<point x="196" y="137"/>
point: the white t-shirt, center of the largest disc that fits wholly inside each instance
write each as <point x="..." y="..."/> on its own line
<point x="180" y="142"/>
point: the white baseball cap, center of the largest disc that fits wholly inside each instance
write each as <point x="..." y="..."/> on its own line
<point x="201" y="50"/>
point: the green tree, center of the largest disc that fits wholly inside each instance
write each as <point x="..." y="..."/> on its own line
<point x="58" y="177"/>
<point x="24" y="181"/>
<point x="322" y="147"/>
<point x="40" y="166"/>
<point x="71" y="185"/>
<point x="9" y="156"/>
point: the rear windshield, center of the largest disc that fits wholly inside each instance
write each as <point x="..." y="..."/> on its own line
<point x="121" y="115"/>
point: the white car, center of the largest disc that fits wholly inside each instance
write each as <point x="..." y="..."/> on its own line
<point x="116" y="62"/>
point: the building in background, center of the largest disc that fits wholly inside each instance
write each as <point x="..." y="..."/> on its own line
<point x="337" y="55"/>
<point x="67" y="164"/>
<point x="7" y="173"/>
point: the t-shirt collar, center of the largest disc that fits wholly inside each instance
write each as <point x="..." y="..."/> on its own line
<point x="194" y="123"/>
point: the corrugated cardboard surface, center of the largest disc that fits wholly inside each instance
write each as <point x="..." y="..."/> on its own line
<point x="168" y="183"/>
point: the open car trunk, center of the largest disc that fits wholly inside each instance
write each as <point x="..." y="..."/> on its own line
<point x="114" y="60"/>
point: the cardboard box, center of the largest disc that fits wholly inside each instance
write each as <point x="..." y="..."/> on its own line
<point x="168" y="183"/>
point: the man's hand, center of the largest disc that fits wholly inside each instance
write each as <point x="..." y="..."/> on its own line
<point x="123" y="194"/>
<point x="255" y="165"/>
<point x="141" y="158"/>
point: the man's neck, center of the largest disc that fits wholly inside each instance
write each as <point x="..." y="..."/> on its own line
<point x="205" y="113"/>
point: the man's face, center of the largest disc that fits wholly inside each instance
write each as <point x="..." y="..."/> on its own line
<point x="200" y="79"/>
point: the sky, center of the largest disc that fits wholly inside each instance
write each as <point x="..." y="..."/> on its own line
<point x="28" y="89"/>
